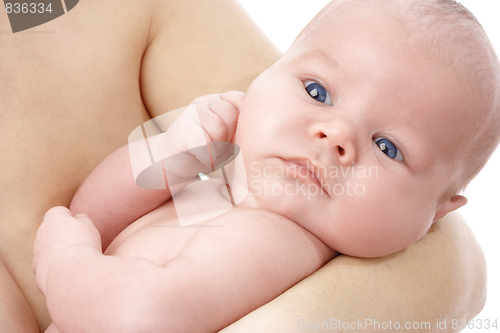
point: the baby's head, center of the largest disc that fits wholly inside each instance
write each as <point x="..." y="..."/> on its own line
<point x="392" y="106"/>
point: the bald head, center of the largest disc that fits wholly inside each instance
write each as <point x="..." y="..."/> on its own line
<point x="445" y="32"/>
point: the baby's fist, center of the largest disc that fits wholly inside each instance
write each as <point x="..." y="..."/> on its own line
<point x="58" y="232"/>
<point x="199" y="139"/>
<point x="218" y="114"/>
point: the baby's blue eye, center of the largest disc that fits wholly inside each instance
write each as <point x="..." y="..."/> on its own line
<point x="316" y="91"/>
<point x="388" y="148"/>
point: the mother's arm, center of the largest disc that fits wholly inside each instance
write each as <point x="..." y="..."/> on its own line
<point x="202" y="47"/>
<point x="443" y="276"/>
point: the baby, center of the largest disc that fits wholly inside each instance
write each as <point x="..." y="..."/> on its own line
<point x="355" y="141"/>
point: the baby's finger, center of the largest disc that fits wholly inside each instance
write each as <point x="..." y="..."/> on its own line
<point x="228" y="113"/>
<point x="212" y="123"/>
<point x="233" y="97"/>
<point x="84" y="218"/>
<point x="57" y="211"/>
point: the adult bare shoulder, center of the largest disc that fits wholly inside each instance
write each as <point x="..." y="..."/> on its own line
<point x="441" y="277"/>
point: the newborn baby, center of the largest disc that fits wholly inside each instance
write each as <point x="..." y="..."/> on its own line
<point x="355" y="141"/>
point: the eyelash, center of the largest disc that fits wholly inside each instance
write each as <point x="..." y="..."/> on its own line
<point x="318" y="95"/>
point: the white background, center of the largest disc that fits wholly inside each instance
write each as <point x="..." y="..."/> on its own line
<point x="282" y="20"/>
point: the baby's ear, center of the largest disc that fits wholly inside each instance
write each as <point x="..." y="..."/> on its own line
<point x="449" y="205"/>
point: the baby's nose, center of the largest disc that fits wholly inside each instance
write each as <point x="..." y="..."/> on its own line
<point x="338" y="139"/>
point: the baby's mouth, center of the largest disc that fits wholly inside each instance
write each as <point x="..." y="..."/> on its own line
<point x="304" y="170"/>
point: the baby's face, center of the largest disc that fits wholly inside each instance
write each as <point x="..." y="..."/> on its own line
<point x="371" y="120"/>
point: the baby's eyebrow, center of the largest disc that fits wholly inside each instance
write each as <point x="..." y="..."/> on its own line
<point x="314" y="55"/>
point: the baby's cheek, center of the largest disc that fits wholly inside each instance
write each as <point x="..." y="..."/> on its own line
<point x="375" y="225"/>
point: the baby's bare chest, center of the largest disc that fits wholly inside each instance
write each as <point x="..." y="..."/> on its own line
<point x="159" y="237"/>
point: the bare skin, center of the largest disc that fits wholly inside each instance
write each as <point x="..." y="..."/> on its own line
<point x="71" y="97"/>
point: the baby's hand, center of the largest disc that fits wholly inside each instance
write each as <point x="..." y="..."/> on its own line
<point x="58" y="233"/>
<point x="200" y="138"/>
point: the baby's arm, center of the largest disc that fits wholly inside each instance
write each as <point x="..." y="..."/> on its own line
<point x="110" y="195"/>
<point x="251" y="259"/>
<point x="85" y="290"/>
<point x="112" y="199"/>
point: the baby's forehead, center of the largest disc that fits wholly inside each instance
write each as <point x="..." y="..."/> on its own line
<point x="446" y="36"/>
